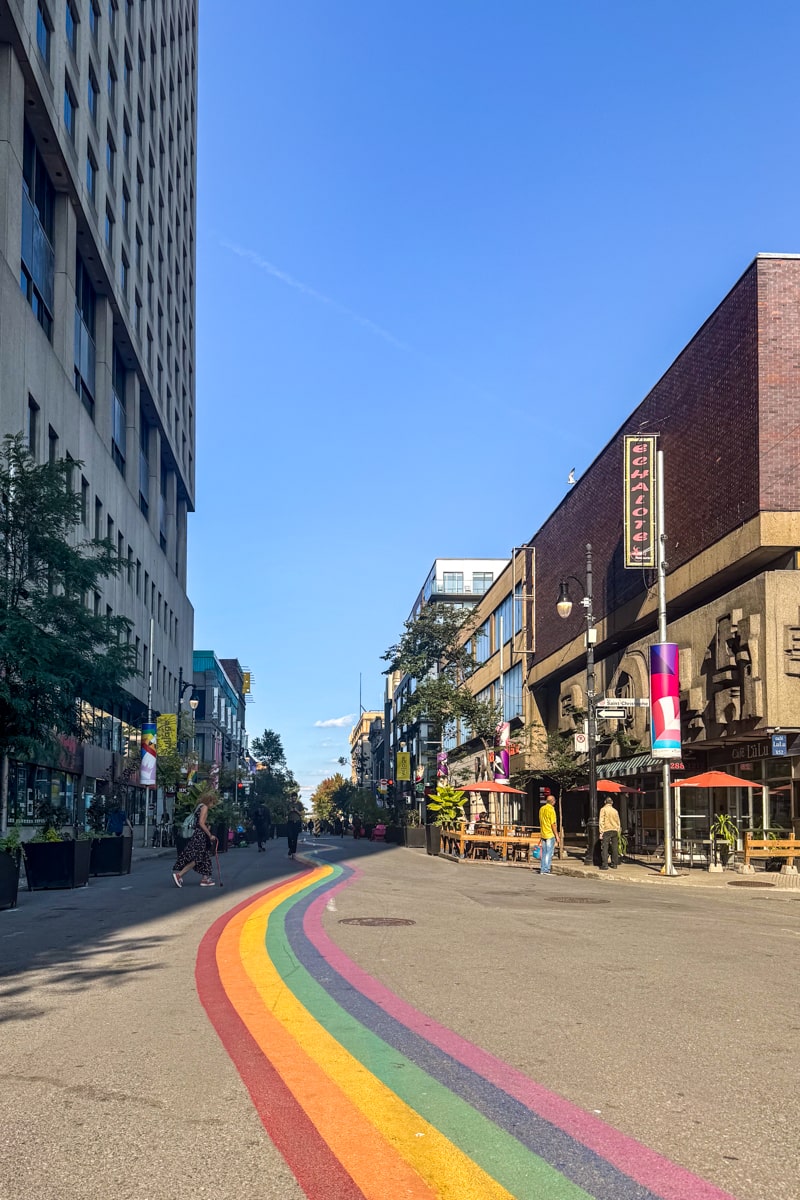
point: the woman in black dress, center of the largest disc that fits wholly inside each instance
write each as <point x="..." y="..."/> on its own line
<point x="293" y="829"/>
<point x="197" y="851"/>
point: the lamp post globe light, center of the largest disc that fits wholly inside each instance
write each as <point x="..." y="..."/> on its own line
<point x="564" y="608"/>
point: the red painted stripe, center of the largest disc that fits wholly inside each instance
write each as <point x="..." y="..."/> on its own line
<point x="318" y="1171"/>
<point x="647" y="1167"/>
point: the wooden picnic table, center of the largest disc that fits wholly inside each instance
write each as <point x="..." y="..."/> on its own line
<point x="464" y="845"/>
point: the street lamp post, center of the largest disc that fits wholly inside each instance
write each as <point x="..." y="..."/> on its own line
<point x="564" y="608"/>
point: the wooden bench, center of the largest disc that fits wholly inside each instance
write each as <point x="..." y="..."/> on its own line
<point x="788" y="848"/>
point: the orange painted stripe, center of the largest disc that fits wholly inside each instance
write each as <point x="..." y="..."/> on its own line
<point x="363" y="1152"/>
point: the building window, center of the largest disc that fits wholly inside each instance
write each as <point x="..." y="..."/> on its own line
<point x="453" y="582"/>
<point x="84" y="501"/>
<point x="118" y="420"/>
<point x="512" y="693"/>
<point x="98" y="518"/>
<point x="126" y="209"/>
<point x="52" y="445"/>
<point x="94" y="18"/>
<point x="70" y="105"/>
<point x="91" y="175"/>
<point x="33" y="425"/>
<point x="137" y="313"/>
<point x="109" y="229"/>
<point x="482" y="581"/>
<point x="112" y="16"/>
<point x="85" y="307"/>
<point x="124" y="272"/>
<point x="127" y="71"/>
<point x="111" y="154"/>
<point x="92" y="92"/>
<point x="44" y="27"/>
<point x="482" y="644"/>
<point x="72" y="27"/>
<point x="37" y="258"/>
<point x="111" y="86"/>
<point x="144" y="471"/>
<point x="126" y="140"/>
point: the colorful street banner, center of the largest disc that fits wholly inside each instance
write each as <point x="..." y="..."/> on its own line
<point x="665" y="711"/>
<point x="640" y="501"/>
<point x="147" y="769"/>
<point x="403" y="769"/>
<point x="167" y="731"/>
<point x="442" y="769"/>
<point x="501" y="763"/>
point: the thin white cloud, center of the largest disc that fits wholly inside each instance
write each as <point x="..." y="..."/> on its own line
<point x="335" y="722"/>
<point x="264" y="265"/>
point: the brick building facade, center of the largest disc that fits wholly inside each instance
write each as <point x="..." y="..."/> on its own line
<point x="727" y="413"/>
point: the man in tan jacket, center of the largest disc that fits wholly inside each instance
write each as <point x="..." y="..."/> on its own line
<point x="609" y="835"/>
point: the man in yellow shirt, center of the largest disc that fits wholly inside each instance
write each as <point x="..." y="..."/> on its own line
<point x="548" y="824"/>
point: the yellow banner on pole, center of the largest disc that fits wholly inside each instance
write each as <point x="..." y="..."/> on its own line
<point x="167" y="727"/>
<point x="403" y="771"/>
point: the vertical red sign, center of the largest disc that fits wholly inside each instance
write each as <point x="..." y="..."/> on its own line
<point x="640" y="500"/>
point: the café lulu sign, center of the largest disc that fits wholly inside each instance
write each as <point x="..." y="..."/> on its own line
<point x="640" y="500"/>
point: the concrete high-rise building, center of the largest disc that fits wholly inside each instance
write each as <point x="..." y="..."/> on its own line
<point x="98" y="105"/>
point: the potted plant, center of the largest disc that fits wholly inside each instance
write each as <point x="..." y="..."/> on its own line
<point x="413" y="832"/>
<point x="54" y="859"/>
<point x="725" y="834"/>
<point x="111" y="850"/>
<point x="10" y="854"/>
<point x="447" y="806"/>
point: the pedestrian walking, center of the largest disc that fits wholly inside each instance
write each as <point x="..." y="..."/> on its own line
<point x="293" y="829"/>
<point x="548" y="825"/>
<point x="197" y="851"/>
<point x="261" y="822"/>
<point x="609" y="835"/>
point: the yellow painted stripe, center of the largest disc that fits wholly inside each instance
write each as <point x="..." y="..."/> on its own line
<point x="435" y="1157"/>
<point x="367" y="1157"/>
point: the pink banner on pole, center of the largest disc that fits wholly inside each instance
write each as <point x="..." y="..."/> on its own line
<point x="665" y="709"/>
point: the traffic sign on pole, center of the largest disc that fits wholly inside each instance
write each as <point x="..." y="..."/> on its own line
<point x="610" y="714"/>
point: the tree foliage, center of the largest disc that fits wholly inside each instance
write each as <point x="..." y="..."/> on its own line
<point x="54" y="646"/>
<point x="433" y="651"/>
<point x="268" y="749"/>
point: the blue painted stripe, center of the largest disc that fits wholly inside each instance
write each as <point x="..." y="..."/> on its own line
<point x="573" y="1160"/>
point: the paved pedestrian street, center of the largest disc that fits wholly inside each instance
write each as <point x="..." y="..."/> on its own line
<point x="376" y="1023"/>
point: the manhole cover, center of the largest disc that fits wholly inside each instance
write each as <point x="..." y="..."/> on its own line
<point x="749" y="883"/>
<point x="574" y="900"/>
<point x="376" y="921"/>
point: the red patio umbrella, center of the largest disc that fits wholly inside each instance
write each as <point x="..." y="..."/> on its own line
<point x="711" y="779"/>
<point x="489" y="786"/>
<point x="607" y="785"/>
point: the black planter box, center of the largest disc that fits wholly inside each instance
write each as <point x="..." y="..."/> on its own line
<point x="57" y="864"/>
<point x="9" y="877"/>
<point x="415" y="836"/>
<point x="111" y="856"/>
<point x="433" y="839"/>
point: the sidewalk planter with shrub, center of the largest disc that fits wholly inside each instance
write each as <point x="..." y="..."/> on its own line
<point x="414" y="836"/>
<point x="57" y="864"/>
<point x="433" y="839"/>
<point x="111" y="856"/>
<point x="10" y="856"/>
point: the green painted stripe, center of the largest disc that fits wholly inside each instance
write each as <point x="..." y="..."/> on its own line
<point x="507" y="1161"/>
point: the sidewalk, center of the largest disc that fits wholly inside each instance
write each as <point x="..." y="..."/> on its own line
<point x="640" y="872"/>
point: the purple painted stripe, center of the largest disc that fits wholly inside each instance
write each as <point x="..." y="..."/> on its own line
<point x="652" y="1170"/>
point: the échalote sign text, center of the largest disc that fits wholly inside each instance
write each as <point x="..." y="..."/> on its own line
<point x="640" y="500"/>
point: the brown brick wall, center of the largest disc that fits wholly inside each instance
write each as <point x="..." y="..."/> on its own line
<point x="779" y="383"/>
<point x="706" y="410"/>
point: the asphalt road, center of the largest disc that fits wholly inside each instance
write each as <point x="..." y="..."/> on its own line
<point x="670" y="1014"/>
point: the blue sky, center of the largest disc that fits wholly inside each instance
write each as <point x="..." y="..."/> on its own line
<point x="444" y="248"/>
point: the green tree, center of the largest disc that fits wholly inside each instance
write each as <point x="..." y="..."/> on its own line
<point x="325" y="800"/>
<point x="433" y="651"/>
<point x="268" y="749"/>
<point x="446" y="804"/>
<point x="559" y="763"/>
<point x="54" y="648"/>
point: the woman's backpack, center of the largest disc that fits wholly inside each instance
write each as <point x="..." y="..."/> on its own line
<point x="190" y="823"/>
